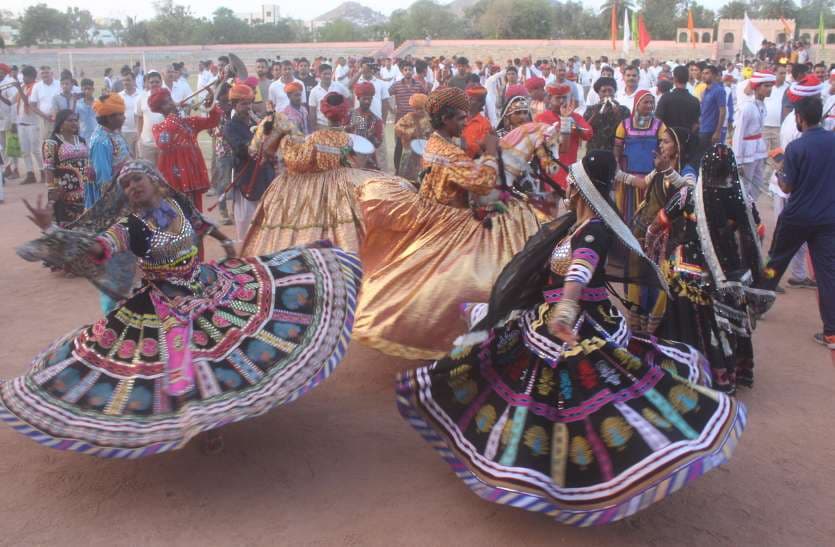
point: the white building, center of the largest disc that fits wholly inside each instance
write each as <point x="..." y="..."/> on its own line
<point x="269" y="13"/>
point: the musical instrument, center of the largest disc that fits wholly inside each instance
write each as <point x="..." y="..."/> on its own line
<point x="418" y="146"/>
<point x="361" y="145"/>
<point x="235" y="69"/>
<point x="8" y="85"/>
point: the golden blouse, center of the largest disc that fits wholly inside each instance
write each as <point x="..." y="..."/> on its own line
<point x="321" y="151"/>
<point x="411" y="127"/>
<point x="453" y="173"/>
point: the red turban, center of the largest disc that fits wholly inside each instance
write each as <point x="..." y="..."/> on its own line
<point x="571" y="76"/>
<point x="158" y="98"/>
<point x="515" y="90"/>
<point x="639" y="96"/>
<point x="558" y="90"/>
<point x="293" y="87"/>
<point x="5" y="68"/>
<point x="476" y="90"/>
<point x="335" y="107"/>
<point x="534" y="82"/>
<point x="364" y="89"/>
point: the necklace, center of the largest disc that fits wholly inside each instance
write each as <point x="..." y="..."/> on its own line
<point x="64" y="141"/>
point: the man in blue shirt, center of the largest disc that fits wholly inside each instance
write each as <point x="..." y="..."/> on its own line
<point x="808" y="176"/>
<point x="714" y="110"/>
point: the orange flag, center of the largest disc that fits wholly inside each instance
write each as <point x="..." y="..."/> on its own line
<point x="691" y="27"/>
<point x="643" y="34"/>
<point x="614" y="25"/>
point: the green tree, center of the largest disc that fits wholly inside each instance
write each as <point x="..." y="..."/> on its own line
<point x="735" y="10"/>
<point x="79" y="22"/>
<point x="226" y="28"/>
<point x="516" y="19"/>
<point x="425" y="18"/>
<point x="340" y="30"/>
<point x="173" y="24"/>
<point x="572" y="20"/>
<point x="41" y="24"/>
<point x="135" y="33"/>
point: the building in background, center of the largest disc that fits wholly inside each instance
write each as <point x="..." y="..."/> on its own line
<point x="269" y="13"/>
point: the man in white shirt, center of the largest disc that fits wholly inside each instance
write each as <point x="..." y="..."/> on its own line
<point x="277" y="95"/>
<point x="592" y="97"/>
<point x="626" y="96"/>
<point x="390" y="73"/>
<point x="27" y="119"/>
<point x="178" y="87"/>
<point x="131" y="95"/>
<point x="748" y="144"/>
<point x="146" y="119"/>
<point x="773" y="114"/>
<point x="586" y="76"/>
<point x="326" y="85"/>
<point x="43" y="94"/>
<point x="341" y="72"/>
<point x="8" y="96"/>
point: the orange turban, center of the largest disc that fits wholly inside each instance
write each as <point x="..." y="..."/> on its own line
<point x="476" y="90"/>
<point x="293" y="87"/>
<point x="418" y="100"/>
<point x="241" y="91"/>
<point x="113" y="103"/>
<point x="157" y="98"/>
<point x="364" y="89"/>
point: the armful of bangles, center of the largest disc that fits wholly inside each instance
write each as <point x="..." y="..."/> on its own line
<point x="638" y="181"/>
<point x="563" y="315"/>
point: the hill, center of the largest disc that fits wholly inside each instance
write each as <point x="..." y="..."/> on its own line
<point x="353" y="12"/>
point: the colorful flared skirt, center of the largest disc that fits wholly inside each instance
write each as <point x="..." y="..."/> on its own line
<point x="302" y="208"/>
<point x="587" y="435"/>
<point x="262" y="332"/>
<point x="422" y="260"/>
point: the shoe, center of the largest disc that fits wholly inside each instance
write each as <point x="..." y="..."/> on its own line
<point x="825" y="340"/>
<point x="802" y="283"/>
<point x="30" y="178"/>
<point x="779" y="290"/>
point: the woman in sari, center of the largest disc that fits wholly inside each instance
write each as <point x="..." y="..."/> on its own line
<point x="198" y="346"/>
<point x="67" y="169"/>
<point x="551" y="404"/>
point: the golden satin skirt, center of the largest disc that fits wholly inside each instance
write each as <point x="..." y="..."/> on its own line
<point x="421" y="261"/>
<point x="302" y="208"/>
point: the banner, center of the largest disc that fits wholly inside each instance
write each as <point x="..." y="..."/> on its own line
<point x="751" y="35"/>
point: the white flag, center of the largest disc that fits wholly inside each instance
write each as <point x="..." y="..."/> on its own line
<point x="751" y="35"/>
<point x="627" y="34"/>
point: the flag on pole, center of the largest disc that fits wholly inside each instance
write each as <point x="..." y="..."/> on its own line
<point x="634" y="28"/>
<point x="787" y="26"/>
<point x="614" y="25"/>
<point x="627" y="34"/>
<point x="643" y="34"/>
<point x="821" y="31"/>
<point x="691" y="27"/>
<point x="751" y="35"/>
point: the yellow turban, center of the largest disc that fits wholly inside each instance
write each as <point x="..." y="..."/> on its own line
<point x="417" y="101"/>
<point x="112" y="103"/>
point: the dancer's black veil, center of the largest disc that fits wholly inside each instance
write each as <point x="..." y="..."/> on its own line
<point x="521" y="282"/>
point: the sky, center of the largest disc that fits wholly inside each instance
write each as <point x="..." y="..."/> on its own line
<point x="299" y="10"/>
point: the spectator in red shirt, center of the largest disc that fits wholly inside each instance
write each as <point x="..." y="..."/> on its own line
<point x="572" y="127"/>
<point x="477" y="126"/>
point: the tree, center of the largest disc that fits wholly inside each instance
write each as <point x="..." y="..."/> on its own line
<point x="340" y="30"/>
<point x="226" y="28"/>
<point x="572" y="20"/>
<point x="735" y="10"/>
<point x="79" y="22"/>
<point x="516" y="19"/>
<point x="774" y="9"/>
<point x="136" y="33"/>
<point x="41" y="24"/>
<point x="173" y="24"/>
<point x="425" y="18"/>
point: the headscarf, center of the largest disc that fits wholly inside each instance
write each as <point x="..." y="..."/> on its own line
<point x="364" y="89"/>
<point x="157" y="99"/>
<point x="147" y="168"/>
<point x="759" y="78"/>
<point x="682" y="136"/>
<point x="515" y="90"/>
<point x="293" y="87"/>
<point x="418" y="101"/>
<point x="558" y="90"/>
<point x="516" y="104"/>
<point x="534" y="82"/>
<point x="241" y="91"/>
<point x="335" y="107"/>
<point x="447" y="96"/>
<point x="605" y="81"/>
<point x="808" y="86"/>
<point x="640" y="95"/>
<point x="112" y="103"/>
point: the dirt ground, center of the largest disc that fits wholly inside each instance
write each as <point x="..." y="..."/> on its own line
<point x="340" y="467"/>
